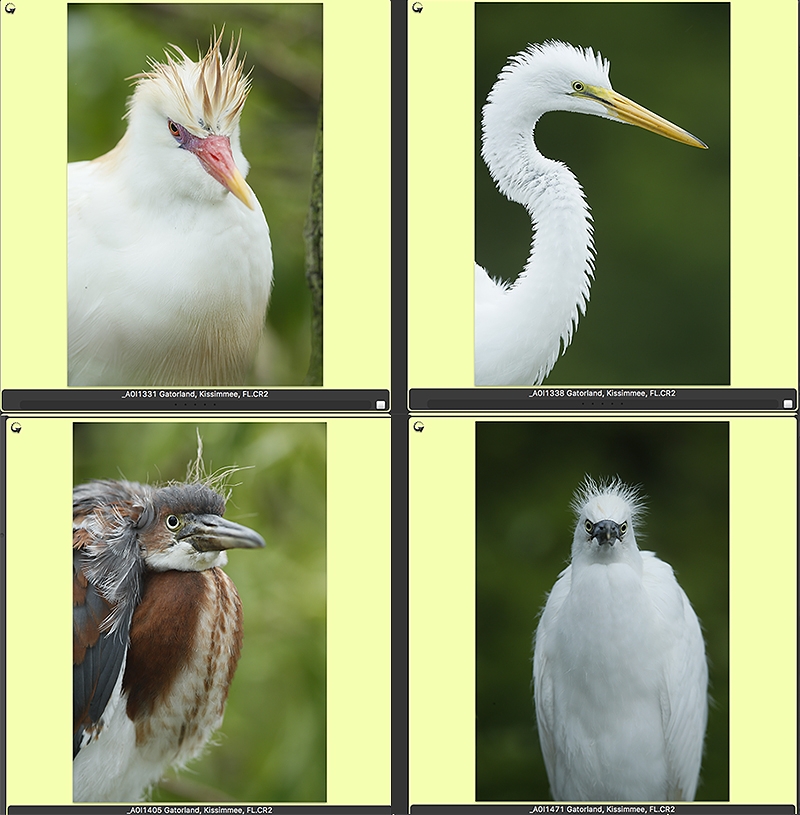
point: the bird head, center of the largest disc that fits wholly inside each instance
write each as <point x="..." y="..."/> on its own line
<point x="182" y="529"/>
<point x="607" y="514"/>
<point x="558" y="76"/>
<point x="122" y="529"/>
<point x="183" y="124"/>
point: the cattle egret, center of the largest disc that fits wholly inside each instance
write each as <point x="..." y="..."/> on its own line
<point x="521" y="328"/>
<point x="619" y="666"/>
<point x="170" y="261"/>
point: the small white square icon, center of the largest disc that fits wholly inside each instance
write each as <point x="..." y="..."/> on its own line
<point x="380" y="405"/>
<point x="788" y="404"/>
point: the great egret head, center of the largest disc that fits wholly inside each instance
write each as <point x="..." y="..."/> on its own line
<point x="543" y="78"/>
<point x="608" y="515"/>
<point x="558" y="76"/>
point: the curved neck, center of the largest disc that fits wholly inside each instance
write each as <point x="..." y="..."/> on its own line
<point x="539" y="311"/>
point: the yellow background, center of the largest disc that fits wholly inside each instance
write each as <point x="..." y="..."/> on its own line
<point x="39" y="683"/>
<point x="763" y="485"/>
<point x="763" y="194"/>
<point x="356" y="194"/>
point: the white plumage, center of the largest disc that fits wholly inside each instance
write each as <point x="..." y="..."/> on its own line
<point x="170" y="260"/>
<point x="521" y="328"/>
<point x="619" y="668"/>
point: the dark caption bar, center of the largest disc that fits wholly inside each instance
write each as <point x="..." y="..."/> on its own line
<point x="604" y="809"/>
<point x="198" y="399"/>
<point x="201" y="809"/>
<point x="588" y="399"/>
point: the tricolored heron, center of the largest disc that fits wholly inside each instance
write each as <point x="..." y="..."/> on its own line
<point x="157" y="630"/>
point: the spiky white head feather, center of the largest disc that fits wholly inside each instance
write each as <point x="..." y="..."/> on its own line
<point x="608" y="517"/>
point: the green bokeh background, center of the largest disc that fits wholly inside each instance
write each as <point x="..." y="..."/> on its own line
<point x="526" y="474"/>
<point x="271" y="746"/>
<point x="283" y="43"/>
<point x="660" y="303"/>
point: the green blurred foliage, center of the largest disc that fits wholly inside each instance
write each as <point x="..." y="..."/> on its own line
<point x="109" y="42"/>
<point x="526" y="475"/>
<point x="271" y="746"/>
<point x="660" y="305"/>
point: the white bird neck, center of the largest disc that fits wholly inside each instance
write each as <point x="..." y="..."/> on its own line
<point x="586" y="555"/>
<point x="163" y="175"/>
<point x="552" y="290"/>
<point x="508" y="146"/>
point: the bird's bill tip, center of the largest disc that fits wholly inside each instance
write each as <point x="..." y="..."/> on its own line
<point x="626" y="110"/>
<point x="238" y="186"/>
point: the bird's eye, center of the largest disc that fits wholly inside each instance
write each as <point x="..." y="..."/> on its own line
<point x="623" y="528"/>
<point x="578" y="87"/>
<point x="172" y="522"/>
<point x="588" y="525"/>
<point x="173" y="129"/>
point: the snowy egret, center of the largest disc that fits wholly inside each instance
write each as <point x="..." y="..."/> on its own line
<point x="619" y="668"/>
<point x="521" y="328"/>
<point x="170" y="260"/>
